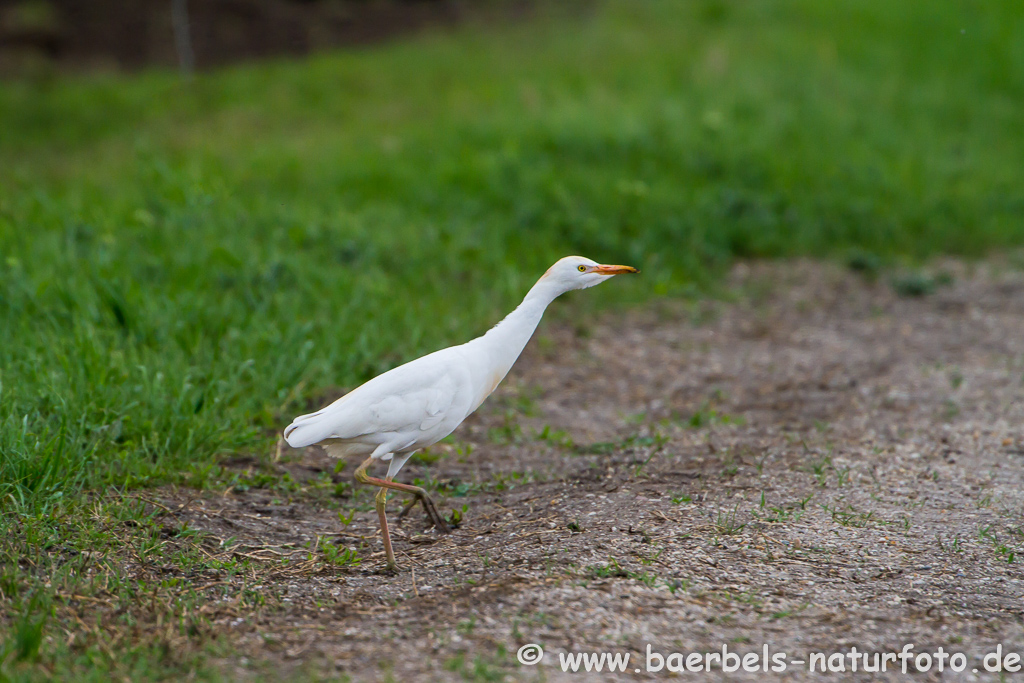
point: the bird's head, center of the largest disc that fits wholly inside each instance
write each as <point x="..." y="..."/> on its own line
<point x="578" y="272"/>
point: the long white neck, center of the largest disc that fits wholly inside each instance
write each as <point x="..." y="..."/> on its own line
<point x="498" y="350"/>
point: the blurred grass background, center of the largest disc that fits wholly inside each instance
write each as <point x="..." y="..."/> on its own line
<point x="185" y="262"/>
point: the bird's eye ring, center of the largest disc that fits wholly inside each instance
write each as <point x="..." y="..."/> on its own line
<point x="582" y="269"/>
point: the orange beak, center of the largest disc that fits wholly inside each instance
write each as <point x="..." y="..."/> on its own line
<point x="613" y="270"/>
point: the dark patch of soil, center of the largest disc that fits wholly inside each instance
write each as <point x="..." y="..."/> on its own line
<point x="128" y="34"/>
<point x="818" y="465"/>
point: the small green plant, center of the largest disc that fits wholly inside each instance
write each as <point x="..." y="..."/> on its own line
<point x="524" y="402"/>
<point x="782" y="614"/>
<point x="517" y="634"/>
<point x="656" y="442"/>
<point x="778" y="514"/>
<point x="483" y="670"/>
<point x="599" y="448"/>
<point x="604" y="571"/>
<point x="950" y="409"/>
<point x="556" y="437"/>
<point x="339" y="557"/>
<point x="706" y="415"/>
<point x="1003" y="551"/>
<point x="730" y="468"/>
<point x="508" y="432"/>
<point x="264" y="480"/>
<point x="346" y="519"/>
<point x="636" y="418"/>
<point x="820" y="468"/>
<point x="913" y="284"/>
<point x="463" y="449"/>
<point x="28" y="629"/>
<point x="427" y="456"/>
<point x="455" y="663"/>
<point x="864" y="262"/>
<point x="850" y="517"/>
<point x="456" y="516"/>
<point x="645" y="577"/>
<point x="648" y="560"/>
<point x="727" y="522"/>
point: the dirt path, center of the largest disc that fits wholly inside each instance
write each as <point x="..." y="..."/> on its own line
<point x="818" y="465"/>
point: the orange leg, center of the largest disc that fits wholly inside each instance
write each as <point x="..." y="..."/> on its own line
<point x="436" y="519"/>
<point x="382" y="497"/>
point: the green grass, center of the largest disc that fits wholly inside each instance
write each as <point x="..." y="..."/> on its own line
<point x="184" y="266"/>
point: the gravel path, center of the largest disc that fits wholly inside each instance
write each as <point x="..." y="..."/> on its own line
<point x="816" y="464"/>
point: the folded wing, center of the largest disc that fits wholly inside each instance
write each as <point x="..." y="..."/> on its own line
<point x="407" y="400"/>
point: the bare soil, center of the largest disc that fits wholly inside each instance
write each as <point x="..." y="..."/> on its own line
<point x="815" y="464"/>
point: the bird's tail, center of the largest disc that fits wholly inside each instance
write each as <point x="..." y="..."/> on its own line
<point x="305" y="430"/>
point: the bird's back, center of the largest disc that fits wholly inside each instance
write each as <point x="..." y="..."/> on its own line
<point x="408" y="404"/>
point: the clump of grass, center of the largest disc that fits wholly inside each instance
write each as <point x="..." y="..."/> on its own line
<point x="851" y="517"/>
<point x="612" y="569"/>
<point x="455" y="518"/>
<point x="609" y="570"/>
<point x="340" y="557"/>
<point x="599" y="448"/>
<point x="917" y="283"/>
<point x="726" y="522"/>
<point x="1005" y="551"/>
<point x="427" y="456"/>
<point x="707" y="415"/>
<point x="556" y="437"/>
<point x="28" y="629"/>
<point x="508" y="432"/>
<point x="490" y="669"/>
<point x="913" y="284"/>
<point x="864" y="262"/>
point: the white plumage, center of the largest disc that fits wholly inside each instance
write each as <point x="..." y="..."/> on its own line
<point x="419" y="403"/>
<point x="397" y="413"/>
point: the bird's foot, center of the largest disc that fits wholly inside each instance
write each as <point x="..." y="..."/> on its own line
<point x="435" y="519"/>
<point x="439" y="522"/>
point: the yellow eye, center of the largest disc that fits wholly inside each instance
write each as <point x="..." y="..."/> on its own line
<point x="582" y="269"/>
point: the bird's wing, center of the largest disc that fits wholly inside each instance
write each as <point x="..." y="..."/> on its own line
<point x="412" y="409"/>
<point x="408" y="399"/>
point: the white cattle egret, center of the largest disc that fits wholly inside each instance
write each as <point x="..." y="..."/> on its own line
<point x="417" y="404"/>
